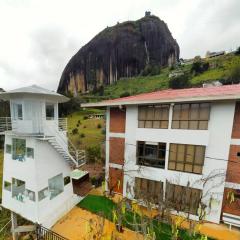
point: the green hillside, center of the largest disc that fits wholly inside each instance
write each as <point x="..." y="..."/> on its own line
<point x="220" y="68"/>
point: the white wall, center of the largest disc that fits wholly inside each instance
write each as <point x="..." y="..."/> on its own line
<point x="46" y="164"/>
<point x="216" y="139"/>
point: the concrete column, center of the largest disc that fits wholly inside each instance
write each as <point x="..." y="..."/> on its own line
<point x="14" y="225"/>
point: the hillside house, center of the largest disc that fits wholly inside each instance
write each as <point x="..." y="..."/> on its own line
<point x="38" y="157"/>
<point x="168" y="142"/>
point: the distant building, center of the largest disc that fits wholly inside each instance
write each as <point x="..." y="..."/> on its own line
<point x="214" y="54"/>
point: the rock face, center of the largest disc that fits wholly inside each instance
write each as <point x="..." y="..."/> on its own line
<point x="123" y="50"/>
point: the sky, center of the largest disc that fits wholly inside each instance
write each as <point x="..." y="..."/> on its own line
<point x="38" y="37"/>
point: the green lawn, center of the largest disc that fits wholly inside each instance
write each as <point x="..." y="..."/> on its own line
<point x="88" y="132"/>
<point x="103" y="206"/>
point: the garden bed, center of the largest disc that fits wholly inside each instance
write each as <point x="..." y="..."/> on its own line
<point x="103" y="206"/>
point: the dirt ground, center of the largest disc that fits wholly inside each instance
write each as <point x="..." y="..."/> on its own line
<point x="94" y="169"/>
<point x="80" y="224"/>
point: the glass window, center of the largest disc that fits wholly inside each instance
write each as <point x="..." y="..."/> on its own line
<point x="155" y="116"/>
<point x="67" y="180"/>
<point x="43" y="194"/>
<point x="19" y="149"/>
<point x="191" y="116"/>
<point x="186" y="158"/>
<point x="149" y="190"/>
<point x="17" y="111"/>
<point x="184" y="199"/>
<point x="49" y="111"/>
<point x="18" y="189"/>
<point x="7" y="186"/>
<point x="151" y="154"/>
<point x="30" y="195"/>
<point x="8" y="148"/>
<point x="30" y="152"/>
<point x="55" y="186"/>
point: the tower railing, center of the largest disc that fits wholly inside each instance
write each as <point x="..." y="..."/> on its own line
<point x="5" y="124"/>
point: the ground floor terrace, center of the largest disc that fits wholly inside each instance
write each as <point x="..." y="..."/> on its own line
<point x="97" y="217"/>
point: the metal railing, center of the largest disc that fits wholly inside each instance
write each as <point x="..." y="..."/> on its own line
<point x="43" y="233"/>
<point x="62" y="124"/>
<point x="5" y="124"/>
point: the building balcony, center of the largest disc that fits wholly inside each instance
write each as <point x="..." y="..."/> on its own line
<point x="46" y="127"/>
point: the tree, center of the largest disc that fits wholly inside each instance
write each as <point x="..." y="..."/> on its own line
<point x="238" y="51"/>
<point x="179" y="82"/>
<point x="234" y="74"/>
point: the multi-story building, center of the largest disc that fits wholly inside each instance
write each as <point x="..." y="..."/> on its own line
<point x="38" y="158"/>
<point x="172" y="144"/>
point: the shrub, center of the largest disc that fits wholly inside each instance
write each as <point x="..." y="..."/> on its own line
<point x="103" y="131"/>
<point x="238" y="51"/>
<point x="199" y="67"/>
<point x="77" y="125"/>
<point x="234" y="75"/>
<point x="179" y="82"/>
<point x="151" y="69"/>
<point x="124" y="94"/>
<point x="99" y="126"/>
<point x="85" y="117"/>
<point x="84" y="126"/>
<point x="93" y="153"/>
<point x="75" y="131"/>
<point x="82" y="135"/>
<point x="79" y="122"/>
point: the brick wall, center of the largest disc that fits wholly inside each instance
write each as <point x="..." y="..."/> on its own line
<point x="233" y="169"/>
<point x="236" y="122"/>
<point x="116" y="150"/>
<point x="116" y="180"/>
<point x="233" y="207"/>
<point x="117" y="120"/>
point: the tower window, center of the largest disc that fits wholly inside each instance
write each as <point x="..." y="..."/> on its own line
<point x="30" y="153"/>
<point x="55" y="186"/>
<point x="8" y="148"/>
<point x="19" y="149"/>
<point x="49" y="111"/>
<point x="17" y="111"/>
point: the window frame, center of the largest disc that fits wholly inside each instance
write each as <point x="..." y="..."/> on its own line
<point x="48" y="104"/>
<point x="8" y="146"/>
<point x="28" y="154"/>
<point x="142" y="159"/>
<point x="186" y="157"/>
<point x="14" y="154"/>
<point x="15" y="106"/>
<point x="179" y="120"/>
<point x="174" y="198"/>
<point x="162" y="121"/>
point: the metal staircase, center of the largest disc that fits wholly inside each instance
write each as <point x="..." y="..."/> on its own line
<point x="60" y="142"/>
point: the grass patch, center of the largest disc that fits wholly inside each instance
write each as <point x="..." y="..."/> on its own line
<point x="103" y="206"/>
<point x="93" y="135"/>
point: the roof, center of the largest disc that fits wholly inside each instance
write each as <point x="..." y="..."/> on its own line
<point x="33" y="90"/>
<point x="214" y="93"/>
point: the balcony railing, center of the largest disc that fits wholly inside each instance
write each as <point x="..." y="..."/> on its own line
<point x="5" y="124"/>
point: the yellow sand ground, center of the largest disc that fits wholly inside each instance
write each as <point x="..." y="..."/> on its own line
<point x="76" y="226"/>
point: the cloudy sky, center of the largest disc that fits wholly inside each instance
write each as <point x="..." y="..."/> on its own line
<point x="38" y="37"/>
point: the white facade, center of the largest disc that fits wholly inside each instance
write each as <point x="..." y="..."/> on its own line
<point x="36" y="171"/>
<point x="217" y="140"/>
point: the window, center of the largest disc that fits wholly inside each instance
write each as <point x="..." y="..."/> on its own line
<point x="43" y="194"/>
<point x="30" y="153"/>
<point x="30" y="195"/>
<point x="18" y="189"/>
<point x="186" y="158"/>
<point x="19" y="149"/>
<point x="56" y="186"/>
<point x="67" y="180"/>
<point x="8" y="148"/>
<point x="151" y="154"/>
<point x="149" y="190"/>
<point x="191" y="116"/>
<point x="17" y="111"/>
<point x="155" y="116"/>
<point x="7" y="186"/>
<point x="49" y="111"/>
<point x="184" y="199"/>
